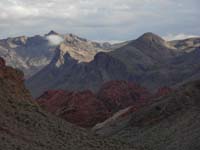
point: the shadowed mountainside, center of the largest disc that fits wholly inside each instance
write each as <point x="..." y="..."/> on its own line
<point x="77" y="76"/>
<point x="169" y="122"/>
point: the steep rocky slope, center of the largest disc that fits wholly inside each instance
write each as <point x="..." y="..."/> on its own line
<point x="23" y="125"/>
<point x="169" y="122"/>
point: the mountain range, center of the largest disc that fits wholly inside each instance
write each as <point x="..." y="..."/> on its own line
<point x="68" y="62"/>
<point x="149" y="61"/>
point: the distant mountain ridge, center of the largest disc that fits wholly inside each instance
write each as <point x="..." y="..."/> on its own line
<point x="149" y="60"/>
<point x="70" y="62"/>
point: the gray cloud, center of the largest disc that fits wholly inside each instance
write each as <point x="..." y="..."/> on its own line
<point x="99" y="19"/>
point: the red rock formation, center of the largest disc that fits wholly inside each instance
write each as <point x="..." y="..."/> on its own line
<point x="87" y="109"/>
<point x="16" y="77"/>
<point x="80" y="108"/>
<point x="118" y="95"/>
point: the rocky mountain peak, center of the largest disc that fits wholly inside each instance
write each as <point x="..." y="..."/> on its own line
<point x="14" y="42"/>
<point x="78" y="49"/>
<point x="151" y="37"/>
<point x="52" y="32"/>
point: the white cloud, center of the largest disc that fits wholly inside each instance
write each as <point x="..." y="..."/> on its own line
<point x="99" y="19"/>
<point x="180" y="36"/>
<point x="54" y="39"/>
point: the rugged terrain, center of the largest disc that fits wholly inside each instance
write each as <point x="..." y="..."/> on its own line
<point x="23" y="125"/>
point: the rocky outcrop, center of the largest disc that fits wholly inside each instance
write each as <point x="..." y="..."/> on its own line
<point x="16" y="78"/>
<point x="80" y="108"/>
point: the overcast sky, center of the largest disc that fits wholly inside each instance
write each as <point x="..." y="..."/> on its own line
<point x="103" y="20"/>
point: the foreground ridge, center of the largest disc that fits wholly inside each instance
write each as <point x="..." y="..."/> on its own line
<point x="23" y="125"/>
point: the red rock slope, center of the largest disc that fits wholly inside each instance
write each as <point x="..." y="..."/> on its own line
<point x="118" y="95"/>
<point x="80" y="108"/>
<point x="87" y="109"/>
